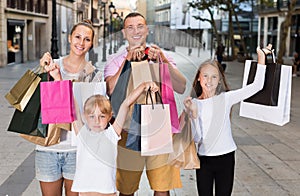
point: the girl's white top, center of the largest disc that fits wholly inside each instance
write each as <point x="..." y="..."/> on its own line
<point x="96" y="161"/>
<point x="212" y="127"/>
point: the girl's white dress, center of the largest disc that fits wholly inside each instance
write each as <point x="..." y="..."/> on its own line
<point x="96" y="161"/>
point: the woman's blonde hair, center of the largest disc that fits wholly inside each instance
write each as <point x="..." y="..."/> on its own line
<point x="97" y="101"/>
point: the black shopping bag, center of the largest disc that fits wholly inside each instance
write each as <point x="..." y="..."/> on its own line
<point x="119" y="93"/>
<point x="29" y="121"/>
<point x="270" y="91"/>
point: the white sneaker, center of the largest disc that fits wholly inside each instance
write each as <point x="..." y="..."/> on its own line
<point x="294" y="75"/>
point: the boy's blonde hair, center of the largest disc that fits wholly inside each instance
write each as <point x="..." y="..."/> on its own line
<point x="97" y="101"/>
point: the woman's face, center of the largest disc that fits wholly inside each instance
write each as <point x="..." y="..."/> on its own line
<point x="97" y="121"/>
<point x="81" y="40"/>
<point x="135" y="31"/>
<point x="209" y="78"/>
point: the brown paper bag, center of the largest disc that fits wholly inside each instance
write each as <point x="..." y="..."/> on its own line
<point x="184" y="155"/>
<point x="53" y="135"/>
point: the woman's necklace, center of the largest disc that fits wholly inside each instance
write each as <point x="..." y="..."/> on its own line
<point x="71" y="68"/>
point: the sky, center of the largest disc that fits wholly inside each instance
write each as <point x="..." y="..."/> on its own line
<point x="131" y="4"/>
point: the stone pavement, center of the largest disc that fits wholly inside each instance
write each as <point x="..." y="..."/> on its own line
<point x="267" y="159"/>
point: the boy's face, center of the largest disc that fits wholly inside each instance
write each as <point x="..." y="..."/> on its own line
<point x="97" y="121"/>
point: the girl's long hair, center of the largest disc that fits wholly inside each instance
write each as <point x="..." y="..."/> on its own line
<point x="222" y="87"/>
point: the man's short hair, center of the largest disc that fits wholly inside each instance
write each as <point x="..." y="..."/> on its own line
<point x="133" y="14"/>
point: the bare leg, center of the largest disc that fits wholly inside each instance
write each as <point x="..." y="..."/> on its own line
<point x="68" y="186"/>
<point x="121" y="194"/>
<point x="52" y="188"/>
<point x="161" y="193"/>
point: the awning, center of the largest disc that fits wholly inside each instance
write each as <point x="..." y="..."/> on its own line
<point x="15" y="22"/>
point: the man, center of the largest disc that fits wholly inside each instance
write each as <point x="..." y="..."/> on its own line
<point x="161" y="176"/>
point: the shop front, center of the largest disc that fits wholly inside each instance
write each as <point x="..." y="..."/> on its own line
<point x="15" y="40"/>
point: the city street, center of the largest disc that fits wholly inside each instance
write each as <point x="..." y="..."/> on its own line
<point x="267" y="159"/>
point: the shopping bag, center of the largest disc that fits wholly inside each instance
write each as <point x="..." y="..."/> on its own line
<point x="268" y="95"/>
<point x="83" y="90"/>
<point x="156" y="131"/>
<point x="20" y="94"/>
<point x="167" y="94"/>
<point x="53" y="135"/>
<point x="279" y="113"/>
<point x="57" y="102"/>
<point x="133" y="141"/>
<point x="140" y="72"/>
<point x="119" y="93"/>
<point x="185" y="154"/>
<point x="28" y="121"/>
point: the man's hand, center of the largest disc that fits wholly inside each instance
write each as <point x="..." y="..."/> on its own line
<point x="135" y="53"/>
<point x="155" y="52"/>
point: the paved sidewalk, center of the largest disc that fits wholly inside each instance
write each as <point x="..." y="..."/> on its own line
<point x="267" y="159"/>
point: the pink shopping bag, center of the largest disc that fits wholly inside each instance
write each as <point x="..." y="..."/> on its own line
<point x="167" y="94"/>
<point x="57" y="102"/>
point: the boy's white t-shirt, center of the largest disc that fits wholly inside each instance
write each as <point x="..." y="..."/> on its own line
<point x="96" y="161"/>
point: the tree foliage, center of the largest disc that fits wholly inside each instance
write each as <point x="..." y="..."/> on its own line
<point x="232" y="9"/>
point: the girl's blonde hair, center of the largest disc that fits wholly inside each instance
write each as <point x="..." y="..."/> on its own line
<point x="97" y="101"/>
<point x="222" y="87"/>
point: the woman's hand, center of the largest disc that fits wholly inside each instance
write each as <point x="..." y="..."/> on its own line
<point x="53" y="68"/>
<point x="262" y="53"/>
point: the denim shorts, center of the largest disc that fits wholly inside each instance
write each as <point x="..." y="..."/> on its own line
<point x="52" y="166"/>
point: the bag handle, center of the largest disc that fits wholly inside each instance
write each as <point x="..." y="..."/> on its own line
<point x="157" y="95"/>
<point x="273" y="56"/>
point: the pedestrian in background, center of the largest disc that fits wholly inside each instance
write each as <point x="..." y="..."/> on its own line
<point x="97" y="143"/>
<point x="55" y="165"/>
<point x="296" y="64"/>
<point x="163" y="177"/>
<point x="209" y="108"/>
<point x="219" y="53"/>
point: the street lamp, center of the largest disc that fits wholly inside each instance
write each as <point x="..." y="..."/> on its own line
<point x="116" y="17"/>
<point x="120" y="18"/>
<point x="54" y="47"/>
<point x="111" y="10"/>
<point x="103" y="3"/>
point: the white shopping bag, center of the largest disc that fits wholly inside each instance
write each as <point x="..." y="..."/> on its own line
<point x="156" y="130"/>
<point x="279" y="114"/>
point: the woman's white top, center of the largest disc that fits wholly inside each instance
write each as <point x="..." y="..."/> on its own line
<point x="212" y="127"/>
<point x="96" y="161"/>
<point x="66" y="141"/>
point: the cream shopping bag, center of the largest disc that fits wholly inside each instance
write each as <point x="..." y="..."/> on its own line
<point x="156" y="130"/>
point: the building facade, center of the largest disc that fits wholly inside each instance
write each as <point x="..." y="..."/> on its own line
<point x="271" y="18"/>
<point x="26" y="26"/>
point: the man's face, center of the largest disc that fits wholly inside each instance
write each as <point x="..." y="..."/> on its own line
<point x="135" y="31"/>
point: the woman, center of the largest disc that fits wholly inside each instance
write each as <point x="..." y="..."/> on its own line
<point x="55" y="165"/>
